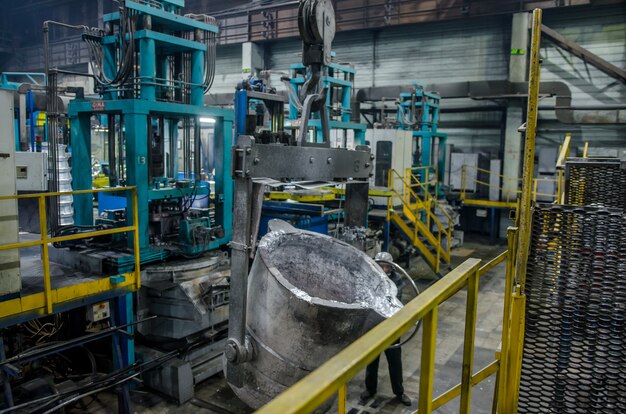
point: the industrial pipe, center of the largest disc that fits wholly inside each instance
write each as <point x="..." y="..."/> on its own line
<point x="503" y="89"/>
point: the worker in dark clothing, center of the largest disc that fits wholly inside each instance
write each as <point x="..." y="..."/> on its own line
<point x="393" y="355"/>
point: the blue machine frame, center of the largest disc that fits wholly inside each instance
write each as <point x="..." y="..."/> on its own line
<point x="419" y="112"/>
<point x="157" y="42"/>
<point x="340" y="81"/>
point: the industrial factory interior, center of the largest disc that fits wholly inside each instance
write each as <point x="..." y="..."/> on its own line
<point x="313" y="206"/>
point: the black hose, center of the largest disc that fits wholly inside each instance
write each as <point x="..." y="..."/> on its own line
<point x="417" y="292"/>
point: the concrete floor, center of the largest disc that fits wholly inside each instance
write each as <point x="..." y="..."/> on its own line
<point x="215" y="397"/>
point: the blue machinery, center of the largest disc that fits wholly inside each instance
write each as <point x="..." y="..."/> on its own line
<point x="339" y="79"/>
<point x="152" y="67"/>
<point x="156" y="122"/>
<point x="418" y="111"/>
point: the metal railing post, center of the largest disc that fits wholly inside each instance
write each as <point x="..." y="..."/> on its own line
<point x="45" y="259"/>
<point x="506" y="320"/>
<point x="524" y="211"/>
<point x="438" y="248"/>
<point x="427" y="368"/>
<point x="468" y="342"/>
<point x="449" y="240"/>
<point x="514" y="370"/>
<point x="342" y="399"/>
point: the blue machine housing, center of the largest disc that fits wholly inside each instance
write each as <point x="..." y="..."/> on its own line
<point x="143" y="113"/>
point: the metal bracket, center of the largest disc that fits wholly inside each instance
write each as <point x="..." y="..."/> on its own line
<point x="238" y="246"/>
<point x="240" y="153"/>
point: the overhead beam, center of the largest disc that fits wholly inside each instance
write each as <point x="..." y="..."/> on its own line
<point x="579" y="51"/>
<point x="268" y="22"/>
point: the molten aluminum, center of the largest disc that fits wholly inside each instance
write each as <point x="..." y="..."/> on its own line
<point x="309" y="296"/>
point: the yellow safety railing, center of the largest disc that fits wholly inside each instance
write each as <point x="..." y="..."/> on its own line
<point x="507" y="192"/>
<point x="51" y="299"/>
<point x="332" y="377"/>
<point x="414" y="205"/>
<point x="432" y="202"/>
<point x="411" y="177"/>
<point x="560" y="167"/>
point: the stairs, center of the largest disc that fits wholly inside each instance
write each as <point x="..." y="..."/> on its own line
<point x="416" y="220"/>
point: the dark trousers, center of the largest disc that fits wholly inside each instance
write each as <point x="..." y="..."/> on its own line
<point x="394" y="360"/>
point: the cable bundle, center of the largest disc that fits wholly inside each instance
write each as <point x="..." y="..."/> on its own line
<point x="93" y="39"/>
<point x="209" y="38"/>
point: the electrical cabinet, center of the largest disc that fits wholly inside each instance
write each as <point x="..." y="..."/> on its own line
<point x="31" y="169"/>
<point x="392" y="149"/>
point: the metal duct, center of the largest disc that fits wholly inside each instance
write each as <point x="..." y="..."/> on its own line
<point x="503" y="89"/>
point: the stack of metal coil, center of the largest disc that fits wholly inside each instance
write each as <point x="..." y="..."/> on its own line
<point x="595" y="181"/>
<point x="575" y="339"/>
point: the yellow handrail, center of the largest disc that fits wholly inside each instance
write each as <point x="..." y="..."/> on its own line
<point x="45" y="240"/>
<point x="560" y="167"/>
<point x="407" y="195"/>
<point x="331" y="377"/>
<point x="563" y="154"/>
<point x="431" y="197"/>
<point x="536" y="181"/>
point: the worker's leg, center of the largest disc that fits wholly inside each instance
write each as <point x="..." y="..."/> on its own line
<point x="394" y="359"/>
<point x="371" y="376"/>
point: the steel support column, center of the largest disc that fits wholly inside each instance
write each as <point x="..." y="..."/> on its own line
<point x="147" y="68"/>
<point x="239" y="277"/>
<point x="137" y="170"/>
<point x="81" y="156"/>
<point x="518" y="72"/>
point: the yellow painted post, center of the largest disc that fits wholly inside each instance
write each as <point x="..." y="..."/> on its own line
<point x="559" y="186"/>
<point x="342" y="399"/>
<point x="45" y="259"/>
<point x="524" y="212"/>
<point x="506" y="319"/>
<point x="438" y="250"/>
<point x="468" y="341"/>
<point x="586" y="150"/>
<point x="427" y="368"/>
<point x="516" y="351"/>
<point x="136" y="249"/>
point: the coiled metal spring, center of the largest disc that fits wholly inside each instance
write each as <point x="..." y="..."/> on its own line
<point x="575" y="339"/>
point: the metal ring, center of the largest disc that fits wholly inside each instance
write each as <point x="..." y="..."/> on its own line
<point x="417" y="292"/>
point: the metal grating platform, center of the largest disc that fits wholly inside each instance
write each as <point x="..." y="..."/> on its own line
<point x="575" y="340"/>
<point x="595" y="181"/>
